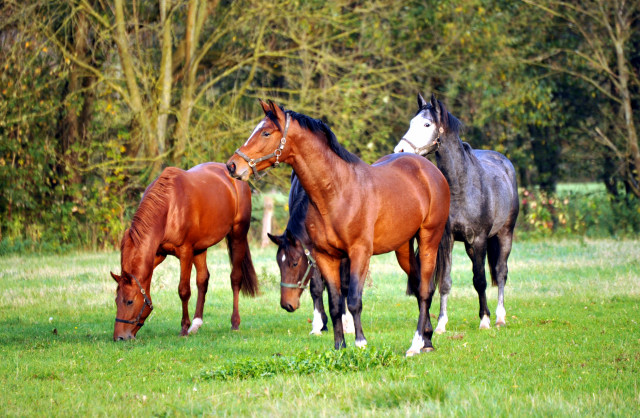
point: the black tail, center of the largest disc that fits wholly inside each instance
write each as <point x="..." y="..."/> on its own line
<point x="443" y="254"/>
<point x="493" y="252"/>
<point x="249" y="282"/>
<point x="413" y="279"/>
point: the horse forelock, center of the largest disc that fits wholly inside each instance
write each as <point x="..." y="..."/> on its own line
<point x="451" y="124"/>
<point x="317" y="126"/>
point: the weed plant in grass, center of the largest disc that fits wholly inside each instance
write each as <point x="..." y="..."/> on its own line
<point x="571" y="345"/>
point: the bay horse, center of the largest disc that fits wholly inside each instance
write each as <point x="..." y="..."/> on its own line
<point x="484" y="202"/>
<point x="356" y="210"/>
<point x="298" y="268"/>
<point x="182" y="213"/>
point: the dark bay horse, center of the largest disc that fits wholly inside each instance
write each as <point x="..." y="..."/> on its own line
<point x="298" y="269"/>
<point x="484" y="202"/>
<point x="182" y="213"/>
<point x="356" y="210"/>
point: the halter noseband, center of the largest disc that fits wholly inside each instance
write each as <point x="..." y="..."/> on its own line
<point x="426" y="148"/>
<point x="147" y="302"/>
<point x="311" y="263"/>
<point x="252" y="163"/>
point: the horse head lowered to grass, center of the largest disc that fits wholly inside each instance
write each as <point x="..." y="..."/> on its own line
<point x="484" y="201"/>
<point x="356" y="210"/>
<point x="182" y="213"/>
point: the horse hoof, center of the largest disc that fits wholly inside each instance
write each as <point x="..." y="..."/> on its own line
<point x="315" y="332"/>
<point x="184" y="333"/>
<point x="361" y="343"/>
<point x="411" y="353"/>
<point x="427" y="350"/>
<point x="500" y="322"/>
<point x="195" y="326"/>
<point x="485" y="323"/>
<point x="440" y="331"/>
<point x="234" y="327"/>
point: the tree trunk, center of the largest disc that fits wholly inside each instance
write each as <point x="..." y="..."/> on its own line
<point x="267" y="217"/>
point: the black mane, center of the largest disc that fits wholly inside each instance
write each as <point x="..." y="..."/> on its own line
<point x="298" y="207"/>
<point x="316" y="125"/>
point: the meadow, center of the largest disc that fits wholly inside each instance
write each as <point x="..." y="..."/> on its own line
<point x="571" y="345"/>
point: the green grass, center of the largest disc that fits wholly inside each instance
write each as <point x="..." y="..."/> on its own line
<point x="571" y="347"/>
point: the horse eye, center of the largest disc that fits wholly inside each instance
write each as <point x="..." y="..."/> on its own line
<point x="426" y="125"/>
<point x="129" y="302"/>
<point x="265" y="133"/>
<point x="295" y="264"/>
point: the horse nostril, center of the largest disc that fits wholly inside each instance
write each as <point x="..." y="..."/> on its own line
<point x="231" y="167"/>
<point x="121" y="338"/>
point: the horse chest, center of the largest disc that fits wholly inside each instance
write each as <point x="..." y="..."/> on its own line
<point x="324" y="235"/>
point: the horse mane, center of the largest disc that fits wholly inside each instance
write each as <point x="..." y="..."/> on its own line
<point x="318" y="126"/>
<point x="298" y="206"/>
<point x="153" y="207"/>
<point x="450" y="124"/>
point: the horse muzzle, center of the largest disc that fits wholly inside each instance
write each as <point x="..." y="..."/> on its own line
<point x="238" y="169"/>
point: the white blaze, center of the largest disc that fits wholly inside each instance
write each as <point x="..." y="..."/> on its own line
<point x="258" y="127"/>
<point x="421" y="130"/>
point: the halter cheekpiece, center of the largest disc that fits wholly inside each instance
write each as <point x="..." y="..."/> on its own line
<point x="147" y="302"/>
<point x="278" y="151"/>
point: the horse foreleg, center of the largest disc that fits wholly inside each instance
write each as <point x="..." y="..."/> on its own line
<point x="202" y="282"/>
<point x="359" y="259"/>
<point x="316" y="288"/>
<point x="477" y="253"/>
<point x="184" y="288"/>
<point x="498" y="252"/>
<point x="330" y="270"/>
<point x="347" y="318"/>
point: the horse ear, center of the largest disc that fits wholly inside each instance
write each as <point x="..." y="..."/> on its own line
<point x="421" y="101"/>
<point x="115" y="277"/>
<point x="276" y="239"/>
<point x="436" y="108"/>
<point x="265" y="106"/>
<point x="277" y="111"/>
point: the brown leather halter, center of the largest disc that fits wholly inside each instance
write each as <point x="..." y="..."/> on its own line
<point x="147" y="302"/>
<point x="252" y="163"/>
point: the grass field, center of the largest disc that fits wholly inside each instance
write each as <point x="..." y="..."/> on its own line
<point x="571" y="346"/>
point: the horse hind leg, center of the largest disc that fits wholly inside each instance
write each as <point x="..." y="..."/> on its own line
<point x="444" y="283"/>
<point x="477" y="253"/>
<point x="498" y="250"/>
<point x="348" y="326"/>
<point x="202" y="282"/>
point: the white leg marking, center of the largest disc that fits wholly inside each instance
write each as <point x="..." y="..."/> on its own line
<point x="316" y="325"/>
<point x="501" y="315"/>
<point x="347" y="323"/>
<point x="442" y="324"/>
<point x="361" y="343"/>
<point x="195" y="325"/>
<point x="416" y="345"/>
<point x="485" y="323"/>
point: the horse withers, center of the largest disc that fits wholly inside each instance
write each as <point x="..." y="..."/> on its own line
<point x="484" y="202"/>
<point x="356" y="210"/>
<point x="298" y="269"/>
<point x="183" y="213"/>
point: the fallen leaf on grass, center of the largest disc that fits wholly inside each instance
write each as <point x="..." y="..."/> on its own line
<point x="456" y="336"/>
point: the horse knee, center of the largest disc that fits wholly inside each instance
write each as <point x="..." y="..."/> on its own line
<point x="354" y="303"/>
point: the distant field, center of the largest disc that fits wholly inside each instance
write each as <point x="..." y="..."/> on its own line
<point x="571" y="345"/>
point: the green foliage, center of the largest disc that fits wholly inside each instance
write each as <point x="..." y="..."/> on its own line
<point x="351" y="359"/>
<point x="586" y="211"/>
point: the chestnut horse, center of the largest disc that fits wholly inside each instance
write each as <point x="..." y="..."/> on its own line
<point x="183" y="213"/>
<point x="356" y="210"/>
<point x="484" y="202"/>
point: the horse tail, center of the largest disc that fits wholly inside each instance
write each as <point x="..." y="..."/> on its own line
<point x="413" y="279"/>
<point x="443" y="255"/>
<point x="249" y="281"/>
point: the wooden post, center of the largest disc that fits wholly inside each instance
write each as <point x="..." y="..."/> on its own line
<point x="266" y="220"/>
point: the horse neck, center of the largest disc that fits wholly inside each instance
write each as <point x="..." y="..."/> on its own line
<point x="137" y="258"/>
<point x="453" y="161"/>
<point x="321" y="172"/>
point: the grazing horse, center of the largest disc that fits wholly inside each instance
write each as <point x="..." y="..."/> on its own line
<point x="356" y="210"/>
<point x="183" y="213"/>
<point x="298" y="268"/>
<point x="484" y="202"/>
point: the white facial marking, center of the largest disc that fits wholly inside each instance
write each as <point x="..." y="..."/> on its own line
<point x="422" y="131"/>
<point x="485" y="323"/>
<point x="195" y="325"/>
<point x="258" y="127"/>
<point x="316" y="325"/>
<point x="284" y="257"/>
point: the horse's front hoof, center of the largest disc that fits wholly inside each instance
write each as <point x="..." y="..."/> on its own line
<point x="485" y="323"/>
<point x="427" y="349"/>
<point x="500" y="322"/>
<point x="315" y="332"/>
<point x="184" y="332"/>
<point x="195" y="326"/>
